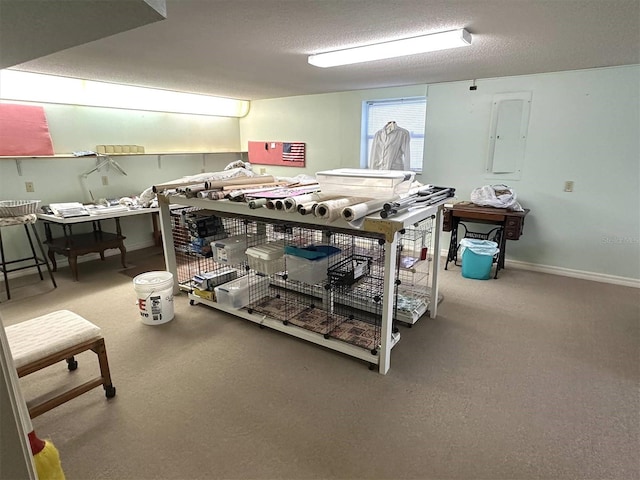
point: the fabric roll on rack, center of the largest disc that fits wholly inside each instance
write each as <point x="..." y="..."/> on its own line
<point x="307" y="208"/>
<point x="257" y="180"/>
<point x="258" y="203"/>
<point x="332" y="209"/>
<point x="360" y="210"/>
<point x="291" y="203"/>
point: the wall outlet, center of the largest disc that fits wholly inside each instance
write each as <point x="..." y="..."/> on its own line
<point x="568" y="186"/>
<point x="105" y="180"/>
<point x="29" y="186"/>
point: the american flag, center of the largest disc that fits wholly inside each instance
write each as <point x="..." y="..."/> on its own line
<point x="293" y="152"/>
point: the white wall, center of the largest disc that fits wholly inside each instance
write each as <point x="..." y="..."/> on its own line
<point x="82" y="128"/>
<point x="329" y="124"/>
<point x="583" y="127"/>
<point x="74" y="128"/>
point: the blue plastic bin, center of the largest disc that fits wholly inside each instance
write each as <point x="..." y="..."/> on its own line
<point x="477" y="258"/>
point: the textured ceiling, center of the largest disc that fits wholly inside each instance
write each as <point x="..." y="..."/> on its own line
<point x="255" y="49"/>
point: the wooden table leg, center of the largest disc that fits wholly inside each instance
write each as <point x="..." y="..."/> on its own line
<point x="157" y="234"/>
<point x="73" y="264"/>
<point x="52" y="257"/>
<point x="123" y="254"/>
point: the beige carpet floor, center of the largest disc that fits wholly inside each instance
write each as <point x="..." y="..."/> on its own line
<point x="530" y="376"/>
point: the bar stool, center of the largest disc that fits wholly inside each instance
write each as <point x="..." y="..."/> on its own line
<point x="27" y="262"/>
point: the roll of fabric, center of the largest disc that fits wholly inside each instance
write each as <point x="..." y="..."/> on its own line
<point x="331" y="209"/>
<point x="204" y="193"/>
<point x="307" y="208"/>
<point x="258" y="180"/>
<point x="360" y="210"/>
<point x="257" y="203"/>
<point x="291" y="203"/>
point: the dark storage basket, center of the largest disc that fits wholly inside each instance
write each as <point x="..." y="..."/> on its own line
<point x="349" y="271"/>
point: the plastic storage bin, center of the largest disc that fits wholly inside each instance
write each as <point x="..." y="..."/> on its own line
<point x="267" y="258"/>
<point x="236" y="294"/>
<point x="309" y="264"/>
<point x="365" y="183"/>
<point x="477" y="258"/>
<point x="230" y="250"/>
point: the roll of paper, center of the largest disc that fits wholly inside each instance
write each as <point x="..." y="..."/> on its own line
<point x="258" y="180"/>
<point x="257" y="203"/>
<point x="307" y="207"/>
<point x="291" y="203"/>
<point x="359" y="210"/>
<point x="332" y="209"/>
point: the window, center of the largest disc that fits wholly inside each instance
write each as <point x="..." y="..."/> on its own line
<point x="408" y="113"/>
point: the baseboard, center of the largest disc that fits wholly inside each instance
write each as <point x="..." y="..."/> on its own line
<point x="568" y="272"/>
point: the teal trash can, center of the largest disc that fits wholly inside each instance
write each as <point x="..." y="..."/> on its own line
<point x="477" y="257"/>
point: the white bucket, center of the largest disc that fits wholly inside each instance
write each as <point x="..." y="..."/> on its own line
<point x="155" y="297"/>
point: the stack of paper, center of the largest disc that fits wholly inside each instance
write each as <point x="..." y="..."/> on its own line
<point x="104" y="210"/>
<point x="70" y="209"/>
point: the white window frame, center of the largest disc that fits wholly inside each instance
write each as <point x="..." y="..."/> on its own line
<point x="417" y="154"/>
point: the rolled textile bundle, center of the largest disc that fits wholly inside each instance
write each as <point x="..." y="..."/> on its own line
<point x="216" y="195"/>
<point x="291" y="203"/>
<point x="359" y="210"/>
<point x="257" y="203"/>
<point x="258" y="180"/>
<point x="332" y="209"/>
<point x="205" y="193"/>
<point x="175" y="185"/>
<point x="307" y="208"/>
<point x="198" y="187"/>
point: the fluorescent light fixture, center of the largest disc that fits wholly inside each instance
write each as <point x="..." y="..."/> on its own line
<point x="35" y="87"/>
<point x="396" y="48"/>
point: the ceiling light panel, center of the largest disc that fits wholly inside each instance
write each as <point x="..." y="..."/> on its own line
<point x="393" y="49"/>
<point x="35" y="87"/>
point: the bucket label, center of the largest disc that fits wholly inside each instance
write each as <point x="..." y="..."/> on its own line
<point x="156" y="307"/>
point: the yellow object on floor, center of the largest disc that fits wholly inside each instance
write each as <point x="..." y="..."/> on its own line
<point x="47" y="463"/>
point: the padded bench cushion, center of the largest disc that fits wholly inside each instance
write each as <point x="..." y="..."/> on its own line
<point x="49" y="334"/>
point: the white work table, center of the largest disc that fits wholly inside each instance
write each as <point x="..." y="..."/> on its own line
<point x="386" y="231"/>
<point x="73" y="245"/>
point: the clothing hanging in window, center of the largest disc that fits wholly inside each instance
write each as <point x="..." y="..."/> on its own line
<point x="390" y="149"/>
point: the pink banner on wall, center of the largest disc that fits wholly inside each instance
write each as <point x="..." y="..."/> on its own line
<point x="24" y="131"/>
<point x="286" y="154"/>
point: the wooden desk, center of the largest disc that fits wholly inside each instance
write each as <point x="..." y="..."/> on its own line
<point x="510" y="223"/>
<point x="72" y="245"/>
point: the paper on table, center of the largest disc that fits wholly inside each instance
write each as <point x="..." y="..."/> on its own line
<point x="359" y="210"/>
<point x="69" y="209"/>
<point x="332" y="209"/>
<point x="291" y="203"/>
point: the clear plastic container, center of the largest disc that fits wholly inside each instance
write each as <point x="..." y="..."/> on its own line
<point x="230" y="250"/>
<point x="307" y="271"/>
<point x="236" y="294"/>
<point x="365" y="183"/>
<point x="267" y="258"/>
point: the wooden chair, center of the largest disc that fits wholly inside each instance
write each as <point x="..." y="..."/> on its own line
<point x="48" y="339"/>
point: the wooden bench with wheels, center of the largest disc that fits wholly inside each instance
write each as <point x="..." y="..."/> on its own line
<point x="40" y="342"/>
